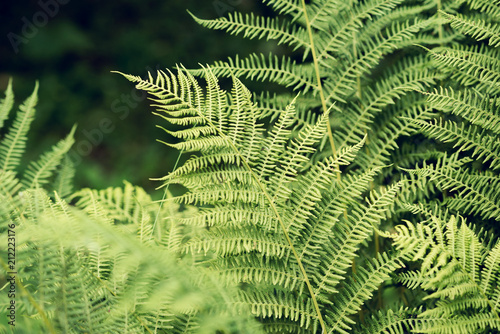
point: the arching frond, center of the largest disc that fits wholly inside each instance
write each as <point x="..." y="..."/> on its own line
<point x="252" y="26"/>
<point x="248" y="184"/>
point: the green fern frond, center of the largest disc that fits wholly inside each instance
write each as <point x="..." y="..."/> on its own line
<point x="350" y="21"/>
<point x="360" y="287"/>
<point x="6" y="103"/>
<point x="246" y="183"/>
<point x="14" y="142"/>
<point x="124" y="205"/>
<point x="459" y="270"/>
<point x="476" y="108"/>
<point x="252" y="26"/>
<point x="405" y="79"/>
<point x="38" y="172"/>
<point x="9" y="183"/>
<point x="343" y="82"/>
<point x="110" y="286"/>
<point x="475" y="27"/>
<point x="393" y="124"/>
<point x="471" y="66"/>
<point x="390" y="321"/>
<point x="359" y="225"/>
<point x="63" y="184"/>
<point x="492" y="8"/>
<point x="261" y="68"/>
<point x="471" y="191"/>
<point x="465" y="137"/>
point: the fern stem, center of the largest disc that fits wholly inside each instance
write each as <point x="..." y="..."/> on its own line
<point x="440" y="25"/>
<point x="320" y="86"/>
<point x="161" y="203"/>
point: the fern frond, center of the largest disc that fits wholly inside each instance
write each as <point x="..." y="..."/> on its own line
<point x="393" y="124"/>
<point x="385" y="93"/>
<point x="361" y="287"/>
<point x="477" y="108"/>
<point x="285" y="6"/>
<point x="9" y="184"/>
<point x="6" y="103"/>
<point x="341" y="84"/>
<point x="38" y="172"/>
<point x="63" y="184"/>
<point x="252" y="26"/>
<point x="246" y="199"/>
<point x="475" y="193"/>
<point x="475" y="27"/>
<point x="14" y="142"/>
<point x="390" y="321"/>
<point x="124" y="205"/>
<point x="258" y="67"/>
<point x="110" y="286"/>
<point x="340" y="251"/>
<point x="471" y="66"/>
<point x="482" y="145"/>
<point x="350" y="21"/>
<point x="492" y="8"/>
<point x="327" y="214"/>
<point x="456" y="269"/>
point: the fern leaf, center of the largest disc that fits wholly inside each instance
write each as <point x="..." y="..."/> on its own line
<point x="471" y="66"/>
<point x="6" y="104"/>
<point x="475" y="193"/>
<point x="360" y="288"/>
<point x="475" y="27"/>
<point x="465" y="137"/>
<point x="476" y="108"/>
<point x="12" y="146"/>
<point x="283" y="71"/>
<point x="252" y="27"/>
<point x="492" y="8"/>
<point x="63" y="184"/>
<point x="456" y="269"/>
<point x="38" y="172"/>
<point x="125" y="205"/>
<point x="390" y="321"/>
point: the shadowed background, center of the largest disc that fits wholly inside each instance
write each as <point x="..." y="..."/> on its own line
<point x="71" y="46"/>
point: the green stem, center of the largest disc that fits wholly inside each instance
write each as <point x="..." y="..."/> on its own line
<point x="320" y="86"/>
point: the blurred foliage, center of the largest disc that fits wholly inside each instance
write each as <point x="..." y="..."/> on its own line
<point x="72" y="55"/>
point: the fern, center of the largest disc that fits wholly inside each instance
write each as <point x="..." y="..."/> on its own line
<point x="459" y="269"/>
<point x="469" y="124"/>
<point x="292" y="199"/>
<point x="108" y="284"/>
<point x="273" y="224"/>
<point x="12" y="146"/>
<point x="15" y="140"/>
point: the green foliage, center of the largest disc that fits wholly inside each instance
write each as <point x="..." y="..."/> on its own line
<point x="39" y="173"/>
<point x="459" y="269"/>
<point x="290" y="218"/>
<point x="276" y="223"/>
<point x="109" y="263"/>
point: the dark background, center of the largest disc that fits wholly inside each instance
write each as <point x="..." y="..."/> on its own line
<point x="71" y="46"/>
